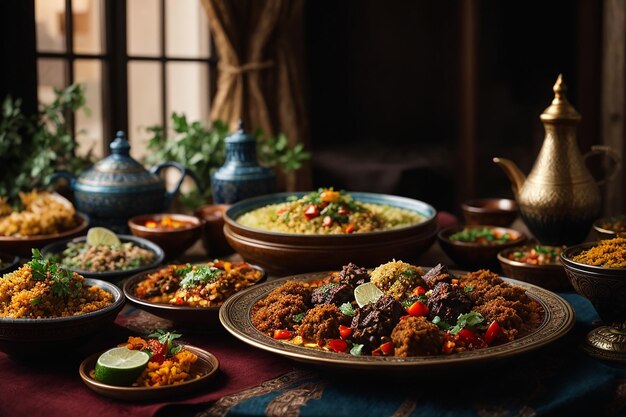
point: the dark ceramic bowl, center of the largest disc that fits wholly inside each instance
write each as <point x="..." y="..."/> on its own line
<point x="213" y="239"/>
<point x="495" y="211"/>
<point x="476" y="255"/>
<point x="174" y="242"/>
<point x="204" y="317"/>
<point x="609" y="227"/>
<point x="11" y="262"/>
<point x="550" y="276"/>
<point x="56" y="249"/>
<point x="604" y="287"/>
<point x="23" y="246"/>
<point x="39" y="338"/>
<point x="283" y="253"/>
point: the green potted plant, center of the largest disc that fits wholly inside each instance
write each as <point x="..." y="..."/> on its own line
<point x="33" y="147"/>
<point x="201" y="149"/>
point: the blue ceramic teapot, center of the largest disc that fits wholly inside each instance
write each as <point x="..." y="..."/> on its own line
<point x="118" y="187"/>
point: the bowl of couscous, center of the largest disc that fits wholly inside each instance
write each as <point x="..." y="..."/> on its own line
<point x="597" y="271"/>
<point x="45" y="309"/>
<point x="324" y="229"/>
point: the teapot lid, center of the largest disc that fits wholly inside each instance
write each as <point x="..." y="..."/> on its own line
<point x="119" y="169"/>
<point x="560" y="109"/>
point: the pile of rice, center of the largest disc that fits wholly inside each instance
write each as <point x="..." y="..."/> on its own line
<point x="374" y="217"/>
<point x="173" y="370"/>
<point x="23" y="297"/>
<point x="43" y="214"/>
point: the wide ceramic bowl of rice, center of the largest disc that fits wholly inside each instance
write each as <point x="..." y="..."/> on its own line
<point x="283" y="233"/>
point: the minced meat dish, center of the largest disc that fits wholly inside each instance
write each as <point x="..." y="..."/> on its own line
<point x="418" y="314"/>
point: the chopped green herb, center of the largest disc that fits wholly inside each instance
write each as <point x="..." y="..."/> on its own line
<point x="347" y="309"/>
<point x="62" y="279"/>
<point x="408" y="273"/>
<point x="298" y="318"/>
<point x="35" y="301"/>
<point x="166" y="337"/>
<point x="468" y="288"/>
<point x="441" y="324"/>
<point x="202" y="274"/>
<point x="183" y="270"/>
<point x="356" y="350"/>
<point x="470" y="319"/>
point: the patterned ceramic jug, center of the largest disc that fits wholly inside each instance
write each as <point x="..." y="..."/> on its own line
<point x="241" y="176"/>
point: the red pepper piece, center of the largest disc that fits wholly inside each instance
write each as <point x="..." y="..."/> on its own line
<point x="311" y="212"/>
<point x="468" y="337"/>
<point x="387" y="348"/>
<point x="327" y="222"/>
<point x="282" y="334"/>
<point x="493" y="331"/>
<point x="350" y="228"/>
<point x="344" y="331"/>
<point x="418" y="309"/>
<point x="342" y="211"/>
<point x="338" y="345"/>
<point x="419" y="290"/>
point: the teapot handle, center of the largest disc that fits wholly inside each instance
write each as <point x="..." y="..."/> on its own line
<point x="183" y="172"/>
<point x="71" y="178"/>
<point x="607" y="151"/>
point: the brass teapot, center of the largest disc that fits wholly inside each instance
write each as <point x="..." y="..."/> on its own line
<point x="560" y="199"/>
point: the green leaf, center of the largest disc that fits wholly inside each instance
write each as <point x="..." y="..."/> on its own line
<point x="470" y="319"/>
<point x="356" y="350"/>
<point x="347" y="309"/>
<point x="201" y="274"/>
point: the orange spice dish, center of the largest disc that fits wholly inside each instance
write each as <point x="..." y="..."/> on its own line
<point x="167" y="222"/>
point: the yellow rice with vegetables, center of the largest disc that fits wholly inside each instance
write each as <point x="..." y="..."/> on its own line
<point x="328" y="212"/>
<point x="43" y="214"/>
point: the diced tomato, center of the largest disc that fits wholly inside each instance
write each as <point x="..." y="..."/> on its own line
<point x="349" y="228"/>
<point x="311" y="212"/>
<point x="338" y="345"/>
<point x="282" y="334"/>
<point x="493" y="331"/>
<point x="448" y="346"/>
<point x="179" y="301"/>
<point x="418" y="309"/>
<point x="158" y="349"/>
<point x="467" y="337"/>
<point x="342" y="211"/>
<point x="281" y="211"/>
<point x="327" y="222"/>
<point x="419" y="290"/>
<point x="387" y="348"/>
<point x="344" y="331"/>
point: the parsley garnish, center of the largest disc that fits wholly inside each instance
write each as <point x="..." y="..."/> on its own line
<point x="347" y="309"/>
<point x="297" y="318"/>
<point x="165" y="337"/>
<point x="470" y="319"/>
<point x="35" y="301"/>
<point x="408" y="273"/>
<point x="182" y="271"/>
<point x="61" y="278"/>
<point x="468" y="288"/>
<point x="356" y="350"/>
<point x="441" y="324"/>
<point x="202" y="274"/>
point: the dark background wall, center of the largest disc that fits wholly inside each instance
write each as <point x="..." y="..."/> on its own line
<point x="386" y="80"/>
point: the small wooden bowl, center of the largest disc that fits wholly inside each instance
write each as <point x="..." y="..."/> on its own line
<point x="550" y="276"/>
<point x="174" y="242"/>
<point x="476" y="255"/>
<point x="494" y="211"/>
<point x="606" y="227"/>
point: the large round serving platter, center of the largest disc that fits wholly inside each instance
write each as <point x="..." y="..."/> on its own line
<point x="206" y="366"/>
<point x="204" y="317"/>
<point x="288" y="253"/>
<point x="235" y="315"/>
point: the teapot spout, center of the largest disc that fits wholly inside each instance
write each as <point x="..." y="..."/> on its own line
<point x="511" y="170"/>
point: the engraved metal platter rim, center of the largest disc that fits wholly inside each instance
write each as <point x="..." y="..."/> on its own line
<point x="234" y="315"/>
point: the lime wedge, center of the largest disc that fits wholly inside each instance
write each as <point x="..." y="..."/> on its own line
<point x="120" y="366"/>
<point x="367" y="293"/>
<point x="102" y="236"/>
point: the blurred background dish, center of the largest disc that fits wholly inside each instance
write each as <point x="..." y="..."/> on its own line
<point x="478" y="245"/>
<point x="282" y="253"/>
<point x="213" y="239"/>
<point x="23" y="246"/>
<point x="494" y="211"/>
<point x="39" y="339"/>
<point x="56" y="250"/>
<point x="174" y="233"/>
<point x="609" y="227"/>
<point x="537" y="264"/>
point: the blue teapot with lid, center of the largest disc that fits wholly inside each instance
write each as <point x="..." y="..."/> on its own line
<point x="118" y="187"/>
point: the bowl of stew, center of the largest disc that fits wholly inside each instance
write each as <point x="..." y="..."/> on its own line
<point x="537" y="264"/>
<point x="478" y="245"/>
<point x="174" y="233"/>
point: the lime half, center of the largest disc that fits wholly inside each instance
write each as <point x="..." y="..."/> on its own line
<point x="367" y="293"/>
<point x="102" y="236"/>
<point x="120" y="366"/>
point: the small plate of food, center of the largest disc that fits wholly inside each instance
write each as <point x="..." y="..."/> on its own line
<point x="103" y="254"/>
<point x="149" y="368"/>
<point x="191" y="293"/>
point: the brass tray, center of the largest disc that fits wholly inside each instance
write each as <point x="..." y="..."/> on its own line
<point x="235" y="314"/>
